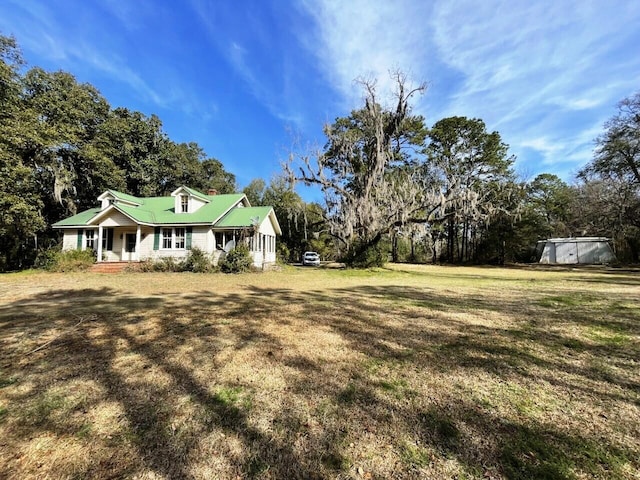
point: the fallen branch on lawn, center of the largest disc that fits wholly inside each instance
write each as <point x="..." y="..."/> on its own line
<point x="82" y="320"/>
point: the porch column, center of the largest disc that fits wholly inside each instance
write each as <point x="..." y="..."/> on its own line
<point x="138" y="239"/>
<point x="100" y="233"/>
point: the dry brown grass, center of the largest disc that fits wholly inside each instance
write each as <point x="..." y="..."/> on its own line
<point x="406" y="372"/>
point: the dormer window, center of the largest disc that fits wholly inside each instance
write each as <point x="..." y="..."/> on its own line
<point x="184" y="203"/>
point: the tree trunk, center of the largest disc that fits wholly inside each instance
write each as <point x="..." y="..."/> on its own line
<point x="413" y="250"/>
<point x="394" y="246"/>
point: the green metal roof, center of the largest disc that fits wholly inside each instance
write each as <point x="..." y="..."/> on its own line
<point x="126" y="197"/>
<point x="196" y="193"/>
<point x="244" y="217"/>
<point x="79" y="220"/>
<point x="160" y="210"/>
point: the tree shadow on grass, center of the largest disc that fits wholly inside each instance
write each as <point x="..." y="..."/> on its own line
<point x="149" y="428"/>
<point x="406" y="327"/>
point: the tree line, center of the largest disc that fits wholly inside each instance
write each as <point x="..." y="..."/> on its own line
<point x="62" y="144"/>
<point x="449" y="193"/>
<point x="393" y="188"/>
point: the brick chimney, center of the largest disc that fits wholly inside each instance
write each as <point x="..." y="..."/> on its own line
<point x="212" y="191"/>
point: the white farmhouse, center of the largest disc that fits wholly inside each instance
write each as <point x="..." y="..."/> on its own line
<point x="127" y="228"/>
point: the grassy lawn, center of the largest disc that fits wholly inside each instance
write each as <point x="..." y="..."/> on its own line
<point x="404" y="372"/>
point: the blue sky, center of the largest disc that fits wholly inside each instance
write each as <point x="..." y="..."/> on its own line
<point x="249" y="79"/>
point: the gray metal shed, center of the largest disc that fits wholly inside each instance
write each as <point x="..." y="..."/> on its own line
<point x="575" y="250"/>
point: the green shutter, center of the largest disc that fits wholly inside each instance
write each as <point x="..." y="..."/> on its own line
<point x="188" y="241"/>
<point x="109" y="239"/>
<point x="156" y="238"/>
<point x="80" y="237"/>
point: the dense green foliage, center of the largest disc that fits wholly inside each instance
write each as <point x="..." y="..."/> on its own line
<point x="386" y="175"/>
<point x="238" y="260"/>
<point x="198" y="261"/>
<point x="608" y="197"/>
<point x="474" y="174"/>
<point x="61" y="145"/>
<point x="55" y="260"/>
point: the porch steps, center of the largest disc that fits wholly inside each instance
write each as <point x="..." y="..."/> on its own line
<point x="109" y="267"/>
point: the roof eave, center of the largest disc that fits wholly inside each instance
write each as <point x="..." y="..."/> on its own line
<point x="115" y="207"/>
<point x="274" y="221"/>
<point x="120" y="199"/>
<point x="192" y="192"/>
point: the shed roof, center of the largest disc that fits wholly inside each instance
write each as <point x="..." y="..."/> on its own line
<point x="244" y="217"/>
<point x="575" y="240"/>
<point x="78" y="220"/>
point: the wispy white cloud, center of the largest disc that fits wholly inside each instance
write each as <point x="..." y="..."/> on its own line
<point x="518" y="55"/>
<point x="364" y="39"/>
<point x="563" y="63"/>
<point x="271" y="88"/>
<point x="542" y="73"/>
<point x="47" y="37"/>
<point x="272" y="99"/>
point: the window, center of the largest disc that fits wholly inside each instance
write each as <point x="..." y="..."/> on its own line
<point x="173" y="238"/>
<point x="219" y="239"/>
<point x="89" y="235"/>
<point x="179" y="243"/>
<point x="184" y="204"/>
<point x="107" y="239"/>
<point x="167" y="237"/>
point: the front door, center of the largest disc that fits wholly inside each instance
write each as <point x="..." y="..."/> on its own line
<point x="129" y="246"/>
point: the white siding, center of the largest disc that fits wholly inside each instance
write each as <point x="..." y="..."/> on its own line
<point x="262" y="253"/>
<point x="117" y="219"/>
<point x="595" y="252"/>
<point x="266" y="227"/>
<point x="106" y="201"/>
<point x="549" y="253"/>
<point x="177" y="202"/>
<point x="70" y="239"/>
<point x="146" y="242"/>
<point x="195" y="203"/>
<point x="199" y="239"/>
<point x="580" y="250"/>
<point x="566" y="252"/>
<point x="211" y="240"/>
<point x="115" y="254"/>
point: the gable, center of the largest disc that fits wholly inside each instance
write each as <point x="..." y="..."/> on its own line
<point x="187" y="200"/>
<point x="116" y="218"/>
<point x="111" y="197"/>
<point x="249" y="217"/>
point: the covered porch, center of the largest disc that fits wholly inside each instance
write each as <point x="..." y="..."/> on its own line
<point x="118" y="244"/>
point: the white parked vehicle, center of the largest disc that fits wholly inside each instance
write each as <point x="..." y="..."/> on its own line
<point x="311" y="258"/>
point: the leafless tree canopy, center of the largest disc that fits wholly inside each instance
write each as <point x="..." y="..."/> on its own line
<point x="379" y="177"/>
<point x="364" y="170"/>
